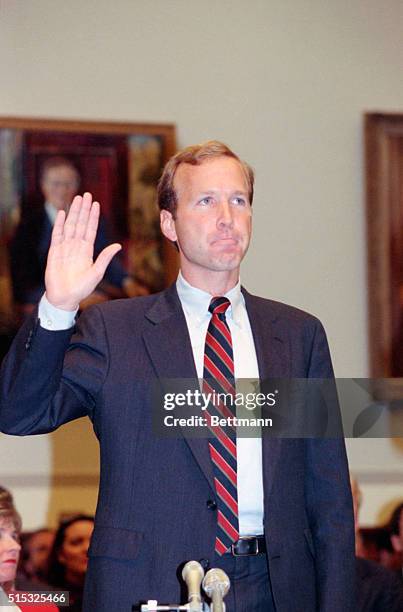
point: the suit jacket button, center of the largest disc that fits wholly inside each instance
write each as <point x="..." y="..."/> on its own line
<point x="211" y="504"/>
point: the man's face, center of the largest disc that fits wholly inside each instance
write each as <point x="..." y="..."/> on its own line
<point x="397" y="539"/>
<point x="59" y="186"/>
<point x="213" y="219"/>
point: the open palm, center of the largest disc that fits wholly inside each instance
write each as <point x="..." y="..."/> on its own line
<point x="71" y="274"/>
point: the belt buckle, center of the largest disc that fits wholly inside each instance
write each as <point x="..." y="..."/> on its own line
<point x="245" y="554"/>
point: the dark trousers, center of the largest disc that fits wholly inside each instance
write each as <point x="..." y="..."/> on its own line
<point x="250" y="589"/>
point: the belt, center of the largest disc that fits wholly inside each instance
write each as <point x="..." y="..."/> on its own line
<point x="248" y="545"/>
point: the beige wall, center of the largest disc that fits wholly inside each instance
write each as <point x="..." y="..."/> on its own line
<point x="285" y="83"/>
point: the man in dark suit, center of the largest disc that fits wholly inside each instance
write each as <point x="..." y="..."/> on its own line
<point x="161" y="501"/>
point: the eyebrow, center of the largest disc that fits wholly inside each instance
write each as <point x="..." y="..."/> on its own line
<point x="214" y="191"/>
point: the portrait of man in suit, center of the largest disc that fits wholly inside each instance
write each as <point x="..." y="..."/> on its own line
<point x="59" y="183"/>
<point x="275" y="514"/>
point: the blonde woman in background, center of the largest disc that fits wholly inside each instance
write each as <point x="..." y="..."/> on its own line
<point x="10" y="529"/>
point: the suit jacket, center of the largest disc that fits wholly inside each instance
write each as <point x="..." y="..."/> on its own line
<point x="154" y="510"/>
<point x="28" y="252"/>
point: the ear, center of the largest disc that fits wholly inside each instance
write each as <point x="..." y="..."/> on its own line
<point x="396" y="543"/>
<point x="168" y="225"/>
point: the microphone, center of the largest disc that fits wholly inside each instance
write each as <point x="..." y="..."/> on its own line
<point x="192" y="574"/>
<point x="216" y="585"/>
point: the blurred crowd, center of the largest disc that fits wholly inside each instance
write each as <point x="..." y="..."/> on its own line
<point x="42" y="560"/>
<point x="56" y="560"/>
<point x="379" y="576"/>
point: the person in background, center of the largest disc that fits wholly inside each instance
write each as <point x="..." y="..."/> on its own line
<point x="59" y="181"/>
<point x="378" y="589"/>
<point x="357" y="499"/>
<point x="67" y="564"/>
<point x="396" y="533"/>
<point x="10" y="530"/>
<point x="36" y="547"/>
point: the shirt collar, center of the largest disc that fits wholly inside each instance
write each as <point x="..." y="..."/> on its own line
<point x="195" y="302"/>
<point x="51" y="212"/>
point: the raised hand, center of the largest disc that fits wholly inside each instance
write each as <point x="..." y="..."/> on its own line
<point x="71" y="274"/>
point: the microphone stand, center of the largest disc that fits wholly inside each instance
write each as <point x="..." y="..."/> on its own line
<point x="215" y="584"/>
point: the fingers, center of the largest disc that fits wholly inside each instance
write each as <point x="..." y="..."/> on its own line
<point x="81" y="221"/>
<point x="57" y="232"/>
<point x="72" y="217"/>
<point x="104" y="258"/>
<point x="92" y="223"/>
<point x="83" y="216"/>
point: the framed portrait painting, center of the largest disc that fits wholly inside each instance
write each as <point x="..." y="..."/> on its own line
<point x="119" y="163"/>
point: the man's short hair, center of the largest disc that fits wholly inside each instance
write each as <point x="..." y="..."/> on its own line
<point x="394" y="522"/>
<point x="57" y="161"/>
<point x="195" y="155"/>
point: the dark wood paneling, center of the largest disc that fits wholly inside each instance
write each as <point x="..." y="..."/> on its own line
<point x="384" y="197"/>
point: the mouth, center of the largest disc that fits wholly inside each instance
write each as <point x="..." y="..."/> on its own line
<point x="11" y="561"/>
<point x="225" y="240"/>
<point x="83" y="560"/>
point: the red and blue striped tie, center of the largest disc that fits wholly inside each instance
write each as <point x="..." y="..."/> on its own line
<point x="218" y="377"/>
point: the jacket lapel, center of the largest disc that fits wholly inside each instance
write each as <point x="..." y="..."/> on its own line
<point x="274" y="361"/>
<point x="169" y="348"/>
<point x="168" y="345"/>
<point x="271" y="343"/>
<point x="167" y="340"/>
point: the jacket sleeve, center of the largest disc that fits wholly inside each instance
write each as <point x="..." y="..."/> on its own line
<point x="51" y="377"/>
<point x="328" y="496"/>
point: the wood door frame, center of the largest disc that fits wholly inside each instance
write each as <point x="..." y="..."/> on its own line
<point x="384" y="213"/>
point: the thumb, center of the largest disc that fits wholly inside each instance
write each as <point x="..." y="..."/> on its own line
<point x="104" y="258"/>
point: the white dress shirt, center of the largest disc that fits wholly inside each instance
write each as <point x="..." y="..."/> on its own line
<point x="51" y="212"/>
<point x="195" y="303"/>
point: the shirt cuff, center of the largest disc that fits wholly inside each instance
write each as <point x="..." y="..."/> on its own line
<point x="55" y="319"/>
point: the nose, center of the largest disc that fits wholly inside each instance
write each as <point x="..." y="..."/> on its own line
<point x="85" y="545"/>
<point x="12" y="544"/>
<point x="225" y="215"/>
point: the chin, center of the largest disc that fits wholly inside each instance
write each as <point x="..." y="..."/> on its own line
<point x="227" y="264"/>
<point x="9" y="577"/>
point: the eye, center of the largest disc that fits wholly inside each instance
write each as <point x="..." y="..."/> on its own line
<point x="16" y="536"/>
<point x="12" y="534"/>
<point x="239" y="201"/>
<point x="206" y="201"/>
<point x="76" y="541"/>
